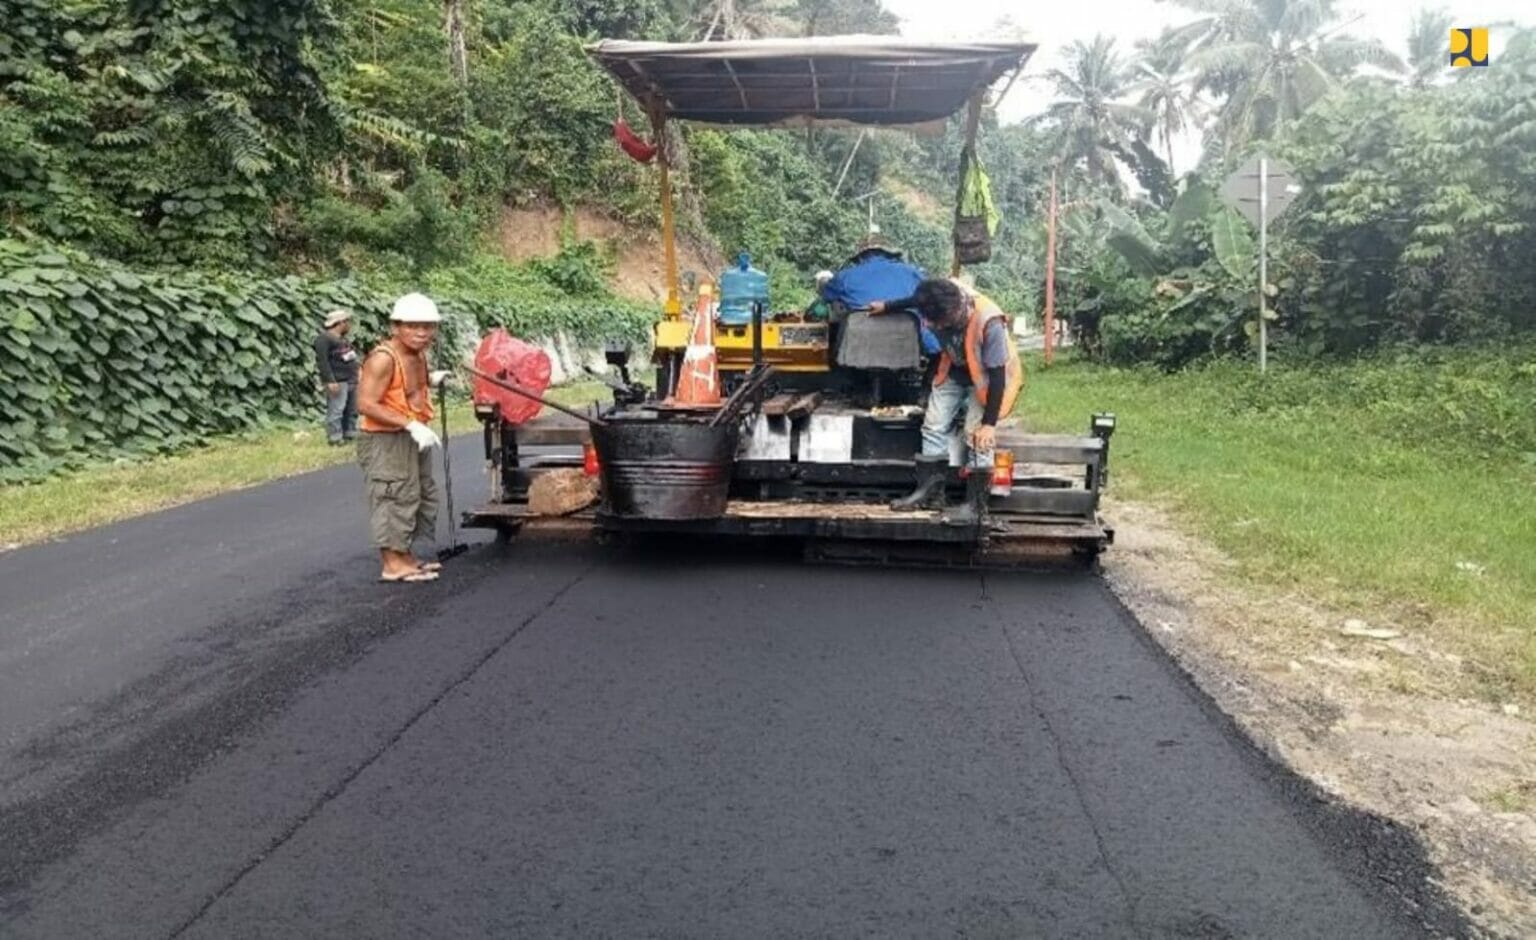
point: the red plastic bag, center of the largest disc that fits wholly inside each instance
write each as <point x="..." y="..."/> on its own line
<point x="512" y="360"/>
<point x="632" y="143"/>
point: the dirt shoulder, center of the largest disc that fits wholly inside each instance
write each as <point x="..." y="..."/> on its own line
<point x="1356" y="707"/>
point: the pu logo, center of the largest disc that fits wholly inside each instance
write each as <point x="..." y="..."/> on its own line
<point x="1469" y="48"/>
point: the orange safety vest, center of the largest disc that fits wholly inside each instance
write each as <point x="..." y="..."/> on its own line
<point x="394" y="397"/>
<point x="983" y="311"/>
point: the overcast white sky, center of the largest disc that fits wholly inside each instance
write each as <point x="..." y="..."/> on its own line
<point x="1054" y="24"/>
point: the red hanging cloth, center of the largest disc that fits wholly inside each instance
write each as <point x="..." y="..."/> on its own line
<point x="632" y="143"/>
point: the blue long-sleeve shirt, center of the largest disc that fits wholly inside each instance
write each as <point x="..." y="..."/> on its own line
<point x="879" y="277"/>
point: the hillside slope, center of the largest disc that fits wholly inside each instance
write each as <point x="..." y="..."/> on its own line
<point x="638" y="269"/>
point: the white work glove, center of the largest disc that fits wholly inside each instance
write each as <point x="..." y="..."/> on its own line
<point x="424" y="436"/>
<point x="439" y="376"/>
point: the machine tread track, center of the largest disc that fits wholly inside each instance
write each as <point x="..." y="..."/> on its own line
<point x="872" y="553"/>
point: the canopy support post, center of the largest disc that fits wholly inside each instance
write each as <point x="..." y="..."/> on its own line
<point x="967" y="153"/>
<point x="674" y="304"/>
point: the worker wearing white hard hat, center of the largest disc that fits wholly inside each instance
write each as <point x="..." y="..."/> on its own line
<point x="820" y="311"/>
<point x="415" y="308"/>
<point x="395" y="400"/>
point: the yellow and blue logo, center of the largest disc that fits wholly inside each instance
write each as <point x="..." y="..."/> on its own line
<point x="1469" y="48"/>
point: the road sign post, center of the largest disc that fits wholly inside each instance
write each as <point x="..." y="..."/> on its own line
<point x="1261" y="191"/>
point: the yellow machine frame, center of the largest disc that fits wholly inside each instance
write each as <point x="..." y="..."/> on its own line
<point x="788" y="347"/>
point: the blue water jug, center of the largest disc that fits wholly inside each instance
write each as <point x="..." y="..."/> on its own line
<point x="740" y="288"/>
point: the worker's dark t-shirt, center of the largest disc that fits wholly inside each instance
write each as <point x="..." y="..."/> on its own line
<point x="994" y="349"/>
<point x="335" y="358"/>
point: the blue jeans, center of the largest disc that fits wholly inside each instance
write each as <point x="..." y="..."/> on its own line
<point x="341" y="413"/>
<point x="953" y="413"/>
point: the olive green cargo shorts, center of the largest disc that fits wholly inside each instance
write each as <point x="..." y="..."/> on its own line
<point x="402" y="496"/>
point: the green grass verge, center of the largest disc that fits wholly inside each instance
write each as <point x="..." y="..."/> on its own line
<point x="107" y="493"/>
<point x="1327" y="480"/>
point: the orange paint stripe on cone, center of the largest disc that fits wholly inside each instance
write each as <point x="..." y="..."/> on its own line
<point x="699" y="380"/>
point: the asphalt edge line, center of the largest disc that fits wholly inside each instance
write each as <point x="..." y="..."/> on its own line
<point x="1131" y="901"/>
<point x="1421" y="897"/>
<point x="340" y="786"/>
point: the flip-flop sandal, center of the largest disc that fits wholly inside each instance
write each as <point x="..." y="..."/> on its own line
<point x="430" y="565"/>
<point x="409" y="577"/>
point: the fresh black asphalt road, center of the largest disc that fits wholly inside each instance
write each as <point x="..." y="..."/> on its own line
<point x="214" y="723"/>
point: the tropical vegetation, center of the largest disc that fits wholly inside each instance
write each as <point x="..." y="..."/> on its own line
<point x="225" y="152"/>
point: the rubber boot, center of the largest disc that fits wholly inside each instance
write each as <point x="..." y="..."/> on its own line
<point x="932" y="472"/>
<point x="978" y="486"/>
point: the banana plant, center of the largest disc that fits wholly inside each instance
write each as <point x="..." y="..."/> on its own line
<point x="1130" y="238"/>
<point x="1231" y="241"/>
<point x="1214" y="296"/>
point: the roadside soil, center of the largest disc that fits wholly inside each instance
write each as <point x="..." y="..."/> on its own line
<point x="639" y="262"/>
<point x="1367" y="710"/>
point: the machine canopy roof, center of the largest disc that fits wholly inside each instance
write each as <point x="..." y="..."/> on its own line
<point x="831" y="80"/>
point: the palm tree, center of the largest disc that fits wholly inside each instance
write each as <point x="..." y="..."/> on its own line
<point x="1427" y="46"/>
<point x="746" y="19"/>
<point x="839" y="17"/>
<point x="453" y="25"/>
<point x="1272" y="60"/>
<point x="1093" y="125"/>
<point x="1167" y="91"/>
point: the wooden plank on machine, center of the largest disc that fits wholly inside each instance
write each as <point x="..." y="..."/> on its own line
<point x="791" y="405"/>
<point x="1046" y="528"/>
<point x="550" y="431"/>
<point x="778" y="406"/>
<point x="804" y="405"/>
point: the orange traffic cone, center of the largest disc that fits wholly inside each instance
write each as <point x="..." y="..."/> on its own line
<point x="699" y="381"/>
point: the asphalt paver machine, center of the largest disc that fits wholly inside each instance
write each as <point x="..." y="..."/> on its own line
<point x="821" y="418"/>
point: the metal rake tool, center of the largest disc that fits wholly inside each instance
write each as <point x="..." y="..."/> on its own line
<point x="454" y="546"/>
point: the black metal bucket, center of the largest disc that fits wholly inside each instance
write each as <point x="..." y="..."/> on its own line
<point x="655" y="468"/>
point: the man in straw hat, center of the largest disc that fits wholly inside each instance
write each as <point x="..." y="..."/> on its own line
<point x="395" y="449"/>
<point x="878" y="271"/>
<point x="337" y="363"/>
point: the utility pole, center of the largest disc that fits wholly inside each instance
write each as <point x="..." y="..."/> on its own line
<point x="1263" y="261"/>
<point x="1049" y="324"/>
<point x="869" y="199"/>
<point x="843" y="174"/>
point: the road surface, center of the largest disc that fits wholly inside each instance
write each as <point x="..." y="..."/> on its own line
<point x="1036" y="341"/>
<point x="214" y="723"/>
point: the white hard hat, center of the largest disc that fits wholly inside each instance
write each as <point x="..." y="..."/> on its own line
<point x="415" y="308"/>
<point x="823" y="276"/>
